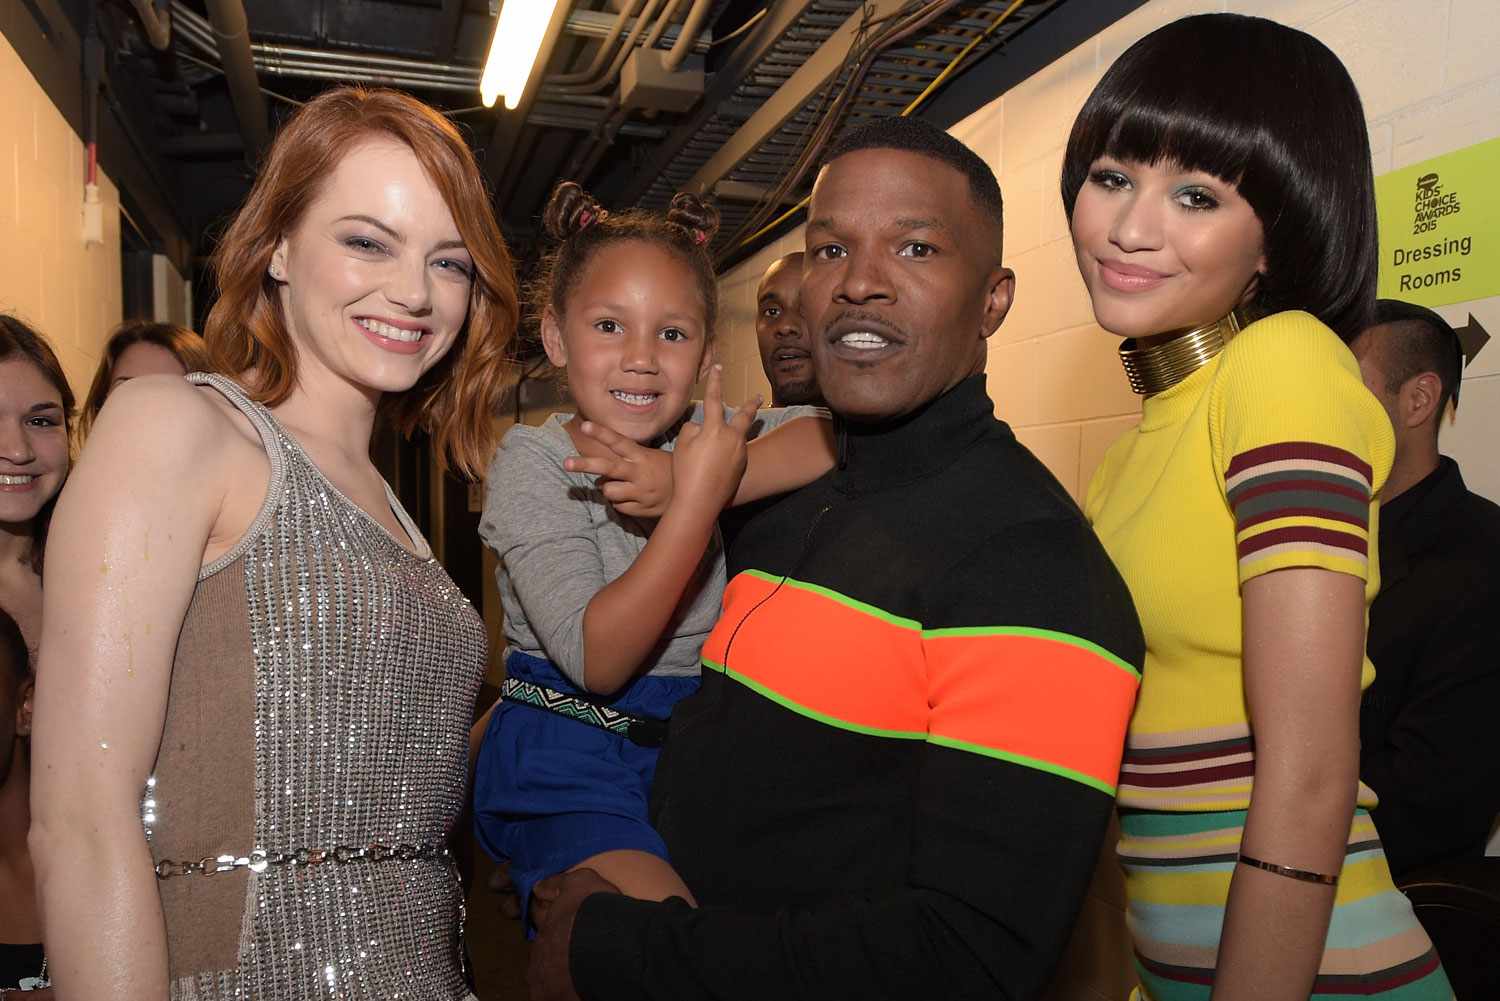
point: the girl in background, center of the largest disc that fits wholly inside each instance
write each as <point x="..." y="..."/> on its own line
<point x="36" y="408"/>
<point x="1222" y="206"/>
<point x="606" y="612"/>
<point x="137" y="348"/>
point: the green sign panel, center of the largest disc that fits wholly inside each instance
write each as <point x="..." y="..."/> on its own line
<point x="1440" y="228"/>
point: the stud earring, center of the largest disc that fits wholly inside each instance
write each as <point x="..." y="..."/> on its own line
<point x="275" y="273"/>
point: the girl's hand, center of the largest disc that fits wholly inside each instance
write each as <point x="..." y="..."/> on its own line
<point x="710" y="458"/>
<point x="636" y="479"/>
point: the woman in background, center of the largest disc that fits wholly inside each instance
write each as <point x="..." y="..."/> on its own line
<point x="23" y="961"/>
<point x="137" y="348"/>
<point x="251" y="649"/>
<point x="1222" y="206"/>
<point x="36" y="406"/>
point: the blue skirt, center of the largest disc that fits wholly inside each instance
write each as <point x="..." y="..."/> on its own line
<point x="550" y="791"/>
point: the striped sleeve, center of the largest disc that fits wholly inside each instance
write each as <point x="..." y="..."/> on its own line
<point x="1301" y="447"/>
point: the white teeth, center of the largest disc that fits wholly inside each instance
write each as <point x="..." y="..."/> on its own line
<point x="16" y="480"/>
<point x="634" y="399"/>
<point x="387" y="331"/>
<point x="864" y="340"/>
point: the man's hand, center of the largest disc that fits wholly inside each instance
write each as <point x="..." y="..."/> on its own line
<point x="554" y="905"/>
<point x="636" y="479"/>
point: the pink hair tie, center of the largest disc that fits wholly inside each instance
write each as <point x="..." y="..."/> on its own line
<point x="699" y="237"/>
<point x="588" y="217"/>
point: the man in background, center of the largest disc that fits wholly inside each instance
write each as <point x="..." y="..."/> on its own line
<point x="786" y="356"/>
<point x="1429" y="744"/>
<point x="785" y="348"/>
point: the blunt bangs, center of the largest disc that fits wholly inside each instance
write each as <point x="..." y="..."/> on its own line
<point x="1270" y="110"/>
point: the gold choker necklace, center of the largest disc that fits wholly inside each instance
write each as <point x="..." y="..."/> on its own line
<point x="1166" y="363"/>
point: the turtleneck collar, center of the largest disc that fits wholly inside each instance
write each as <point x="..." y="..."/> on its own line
<point x="875" y="456"/>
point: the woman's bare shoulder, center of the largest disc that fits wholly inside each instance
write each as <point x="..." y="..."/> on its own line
<point x="169" y="416"/>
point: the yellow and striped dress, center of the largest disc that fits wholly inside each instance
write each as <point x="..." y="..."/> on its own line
<point x="1267" y="457"/>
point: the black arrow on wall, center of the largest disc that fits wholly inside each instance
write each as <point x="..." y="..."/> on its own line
<point x="1471" y="338"/>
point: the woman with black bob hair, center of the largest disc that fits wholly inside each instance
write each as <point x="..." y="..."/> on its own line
<point x="1221" y="202"/>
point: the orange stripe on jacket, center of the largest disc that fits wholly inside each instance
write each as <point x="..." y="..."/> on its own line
<point x="1049" y="699"/>
<point x="1038" y="698"/>
<point x="846" y="663"/>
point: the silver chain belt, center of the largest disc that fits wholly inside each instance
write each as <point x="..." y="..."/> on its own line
<point x="260" y="860"/>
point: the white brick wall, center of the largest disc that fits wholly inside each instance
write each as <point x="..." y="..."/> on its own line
<point x="1430" y="82"/>
<point x="47" y="277"/>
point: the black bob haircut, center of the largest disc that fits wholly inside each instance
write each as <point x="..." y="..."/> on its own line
<point x="1417" y="340"/>
<point x="1270" y="110"/>
<point x="913" y="135"/>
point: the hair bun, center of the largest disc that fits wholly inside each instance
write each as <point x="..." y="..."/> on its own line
<point x="570" y="210"/>
<point x="695" y="214"/>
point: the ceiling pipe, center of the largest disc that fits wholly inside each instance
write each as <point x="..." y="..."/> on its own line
<point x="658" y="29"/>
<point x="156" y="19"/>
<point x="232" y="35"/>
<point x="606" y="48"/>
<point x="688" y="35"/>
<point x="596" y="24"/>
<point x="273" y="53"/>
<point x="608" y="77"/>
<point x="351" y="74"/>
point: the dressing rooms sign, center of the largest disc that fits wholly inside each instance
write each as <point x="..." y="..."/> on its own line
<point x="1440" y="228"/>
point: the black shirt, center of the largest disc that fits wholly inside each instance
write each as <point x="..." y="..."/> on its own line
<point x="1430" y="747"/>
<point x="896" y="777"/>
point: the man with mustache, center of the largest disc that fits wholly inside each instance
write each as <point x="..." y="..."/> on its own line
<point x="785" y="349"/>
<point x="896" y="776"/>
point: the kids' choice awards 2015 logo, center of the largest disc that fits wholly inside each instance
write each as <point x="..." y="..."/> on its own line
<point x="1432" y="204"/>
<point x="1440" y="228"/>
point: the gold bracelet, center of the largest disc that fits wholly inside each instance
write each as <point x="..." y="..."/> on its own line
<point x="1290" y="873"/>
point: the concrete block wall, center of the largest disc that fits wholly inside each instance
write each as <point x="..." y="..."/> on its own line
<point x="1430" y="84"/>
<point x="69" y="292"/>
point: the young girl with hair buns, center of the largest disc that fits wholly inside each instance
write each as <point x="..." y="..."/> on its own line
<point x="606" y="609"/>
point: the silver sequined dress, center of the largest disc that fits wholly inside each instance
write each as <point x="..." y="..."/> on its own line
<point x="320" y="700"/>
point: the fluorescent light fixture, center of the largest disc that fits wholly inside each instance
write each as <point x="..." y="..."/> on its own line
<point x="518" y="37"/>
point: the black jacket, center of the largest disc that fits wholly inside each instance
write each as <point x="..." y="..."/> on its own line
<point x="1430" y="744"/>
<point x="896" y="777"/>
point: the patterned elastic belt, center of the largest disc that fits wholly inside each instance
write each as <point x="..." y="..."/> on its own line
<point x="637" y="729"/>
<point x="259" y="860"/>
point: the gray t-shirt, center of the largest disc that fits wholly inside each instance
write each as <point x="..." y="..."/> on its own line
<point x="560" y="542"/>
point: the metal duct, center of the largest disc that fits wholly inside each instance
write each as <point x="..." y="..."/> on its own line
<point x="690" y="31"/>
<point x="156" y="22"/>
<point x="606" y="47"/>
<point x="607" y="78"/>
<point x="232" y="36"/>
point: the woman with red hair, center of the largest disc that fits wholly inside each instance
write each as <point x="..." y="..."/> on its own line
<point x="250" y="649"/>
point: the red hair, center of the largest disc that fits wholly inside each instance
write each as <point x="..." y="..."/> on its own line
<point x="455" y="400"/>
